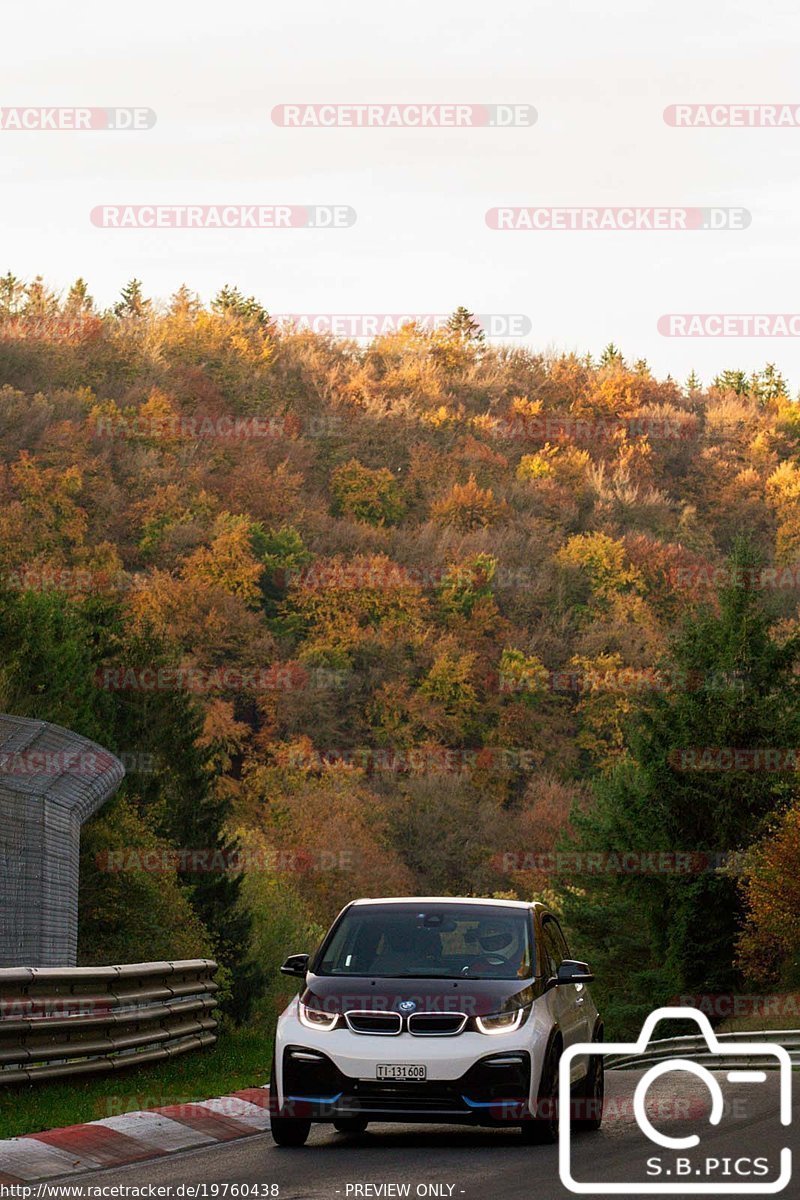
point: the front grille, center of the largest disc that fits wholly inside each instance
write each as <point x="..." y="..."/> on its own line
<point x="384" y="1024"/>
<point x="400" y="1097"/>
<point x="436" y="1024"/>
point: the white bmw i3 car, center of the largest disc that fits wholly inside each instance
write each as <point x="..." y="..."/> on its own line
<point x="440" y="1010"/>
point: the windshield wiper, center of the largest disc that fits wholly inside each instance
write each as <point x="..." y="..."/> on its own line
<point x="414" y="975"/>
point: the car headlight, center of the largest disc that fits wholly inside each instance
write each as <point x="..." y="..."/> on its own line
<point x="505" y="1022"/>
<point x="312" y="1018"/>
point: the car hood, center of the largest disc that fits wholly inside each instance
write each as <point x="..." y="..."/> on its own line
<point x="475" y="997"/>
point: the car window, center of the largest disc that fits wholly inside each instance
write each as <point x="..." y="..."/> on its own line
<point x="554" y="943"/>
<point x="438" y="941"/>
<point x="562" y="941"/>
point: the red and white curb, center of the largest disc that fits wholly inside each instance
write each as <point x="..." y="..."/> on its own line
<point x="132" y="1137"/>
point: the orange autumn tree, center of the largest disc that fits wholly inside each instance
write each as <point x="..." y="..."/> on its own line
<point x="769" y="947"/>
<point x="469" y="506"/>
<point x="42" y="510"/>
<point x="364" y="606"/>
<point x="229" y="562"/>
<point x="603" y="563"/>
<point x="326" y="826"/>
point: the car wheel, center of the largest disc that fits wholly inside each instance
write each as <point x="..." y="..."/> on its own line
<point x="351" y="1125"/>
<point x="542" y="1129"/>
<point x="592" y="1094"/>
<point x="286" y="1131"/>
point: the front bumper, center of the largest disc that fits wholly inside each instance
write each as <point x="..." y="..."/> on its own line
<point x="494" y="1088"/>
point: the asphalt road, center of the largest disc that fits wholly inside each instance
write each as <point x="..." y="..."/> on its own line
<point x="477" y="1164"/>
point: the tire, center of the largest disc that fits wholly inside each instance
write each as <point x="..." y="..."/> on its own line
<point x="351" y="1124"/>
<point x="289" y="1131"/>
<point x="591" y="1096"/>
<point x="286" y="1131"/>
<point x="542" y="1129"/>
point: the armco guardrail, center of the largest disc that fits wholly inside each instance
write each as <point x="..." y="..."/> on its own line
<point x="696" y="1048"/>
<point x="65" y="1021"/>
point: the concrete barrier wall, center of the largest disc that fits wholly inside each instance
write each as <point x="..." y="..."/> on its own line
<point x="51" y="781"/>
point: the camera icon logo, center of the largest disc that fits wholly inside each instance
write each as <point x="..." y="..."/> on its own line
<point x="684" y="1167"/>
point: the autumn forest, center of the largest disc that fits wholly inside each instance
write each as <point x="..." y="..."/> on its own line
<point x="425" y="614"/>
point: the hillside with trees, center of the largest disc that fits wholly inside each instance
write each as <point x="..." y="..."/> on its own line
<point x="420" y="615"/>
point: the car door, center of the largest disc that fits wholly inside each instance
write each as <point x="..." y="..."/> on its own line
<point x="568" y="999"/>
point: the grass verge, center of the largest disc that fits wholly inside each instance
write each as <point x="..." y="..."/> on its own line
<point x="241" y="1058"/>
<point x="777" y="1012"/>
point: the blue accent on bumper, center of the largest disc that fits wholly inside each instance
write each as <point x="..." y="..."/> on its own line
<point x="316" y="1099"/>
<point x="488" y="1103"/>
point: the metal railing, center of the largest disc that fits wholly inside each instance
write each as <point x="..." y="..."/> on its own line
<point x="66" y="1021"/>
<point x="696" y="1048"/>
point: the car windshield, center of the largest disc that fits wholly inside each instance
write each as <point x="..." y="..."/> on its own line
<point x="441" y="941"/>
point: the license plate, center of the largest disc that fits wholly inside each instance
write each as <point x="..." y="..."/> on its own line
<point x="401" y="1071"/>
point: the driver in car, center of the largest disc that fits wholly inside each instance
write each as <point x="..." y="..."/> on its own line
<point x="496" y="940"/>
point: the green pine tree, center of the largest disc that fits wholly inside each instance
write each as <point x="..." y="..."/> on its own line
<point x="768" y="384"/>
<point x="733" y="687"/>
<point x="231" y="302"/>
<point x="611" y="354"/>
<point x="12" y="296"/>
<point x="78" y="301"/>
<point x="132" y="302"/>
<point x="732" y="380"/>
<point x="462" y="326"/>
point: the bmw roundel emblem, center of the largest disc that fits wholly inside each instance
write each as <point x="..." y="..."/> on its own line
<point x="407" y="1006"/>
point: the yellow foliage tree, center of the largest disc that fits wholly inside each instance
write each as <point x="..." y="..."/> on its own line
<point x="783" y="493"/>
<point x="229" y="562"/>
<point x="605" y="563"/>
<point x="469" y="506"/>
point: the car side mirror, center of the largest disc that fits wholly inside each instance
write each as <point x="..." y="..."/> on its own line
<point x="572" y="971"/>
<point x="297" y="965"/>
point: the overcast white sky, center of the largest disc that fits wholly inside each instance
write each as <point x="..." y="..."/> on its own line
<point x="599" y="75"/>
